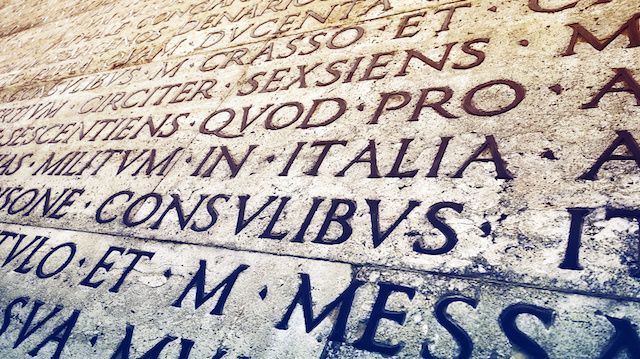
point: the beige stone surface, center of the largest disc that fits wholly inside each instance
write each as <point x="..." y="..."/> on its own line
<point x="449" y="147"/>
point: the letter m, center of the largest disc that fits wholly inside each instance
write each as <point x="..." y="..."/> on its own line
<point x="201" y="297"/>
<point x="304" y="299"/>
<point x="153" y="165"/>
<point x="631" y="29"/>
<point x="166" y="71"/>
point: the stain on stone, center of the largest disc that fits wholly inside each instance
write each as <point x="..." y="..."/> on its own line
<point x="629" y="256"/>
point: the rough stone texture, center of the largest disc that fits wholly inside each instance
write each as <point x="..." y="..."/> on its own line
<point x="328" y="152"/>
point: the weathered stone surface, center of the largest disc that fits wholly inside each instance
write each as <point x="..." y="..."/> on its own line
<point x="485" y="149"/>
